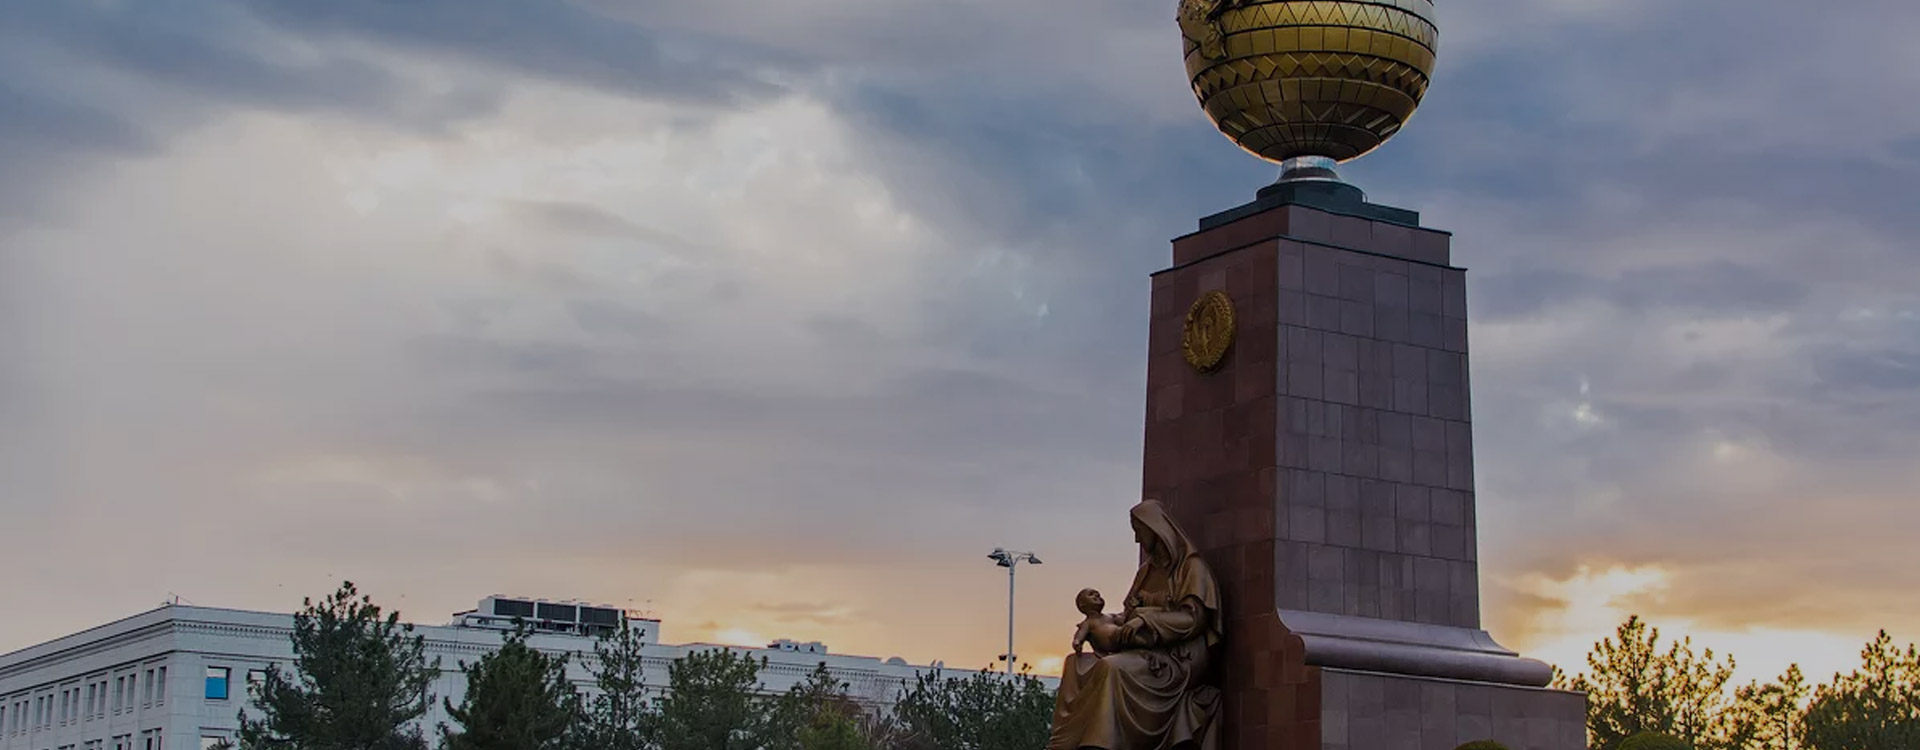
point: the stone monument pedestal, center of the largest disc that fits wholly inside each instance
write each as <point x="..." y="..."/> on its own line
<point x="1325" y="468"/>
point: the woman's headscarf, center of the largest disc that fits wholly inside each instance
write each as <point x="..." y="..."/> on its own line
<point x="1191" y="576"/>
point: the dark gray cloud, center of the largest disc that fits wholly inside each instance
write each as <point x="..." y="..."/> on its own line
<point x="1711" y="289"/>
<point x="214" y="55"/>
<point x="31" y="120"/>
<point x="555" y="40"/>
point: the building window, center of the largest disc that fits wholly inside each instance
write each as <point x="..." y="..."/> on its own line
<point x="209" y="742"/>
<point x="160" y="690"/>
<point x="146" y="693"/>
<point x="217" y="683"/>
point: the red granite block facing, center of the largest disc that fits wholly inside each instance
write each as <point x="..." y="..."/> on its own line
<point x="1166" y="299"/>
<point x="1425" y="296"/>
<point x="1213" y="276"/>
<point x="1294" y="669"/>
<point x="1164" y="368"/>
<point x="1235" y="679"/>
<point x="1254" y="271"/>
<point x="1307" y="697"/>
<point x="1214" y="526"/>
<point x="1356" y="284"/>
<point x="1163" y="404"/>
<point x="1424" y="329"/>
<point x="1247" y="737"/>
<point x="1182" y="288"/>
<point x="1237" y="418"/>
<point x="1282" y="703"/>
<point x="1251" y="524"/>
<point x="1259" y="576"/>
<point x="1321" y="271"/>
<point x="1453" y="334"/>
<point x="1306" y="734"/>
<point x="1291" y="265"/>
<point x="1263" y="672"/>
<point x="1392" y="239"/>
<point x="1309" y="224"/>
<point x="1238" y="234"/>
<point x="1453" y="284"/>
<point x="1431" y="247"/>
<point x="1255" y="706"/>
<point x="1257" y="311"/>
<point x="1352" y="232"/>
<point x="1390" y="324"/>
<point x="1260" y="341"/>
<point x="1263" y="438"/>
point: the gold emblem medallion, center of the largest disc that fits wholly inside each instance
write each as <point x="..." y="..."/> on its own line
<point x="1209" y="331"/>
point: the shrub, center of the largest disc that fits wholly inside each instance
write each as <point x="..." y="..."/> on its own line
<point x="1482" y="745"/>
<point x="1654" y="741"/>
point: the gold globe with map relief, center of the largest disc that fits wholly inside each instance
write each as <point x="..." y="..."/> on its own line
<point x="1287" y="79"/>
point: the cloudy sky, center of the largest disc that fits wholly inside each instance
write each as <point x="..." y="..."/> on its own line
<point x="774" y="318"/>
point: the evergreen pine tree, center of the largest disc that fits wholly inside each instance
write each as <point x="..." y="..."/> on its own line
<point x="517" y="698"/>
<point x="1770" y="714"/>
<point x="619" y="717"/>
<point x="1634" y="688"/>
<point x="986" y="711"/>
<point x="357" y="682"/>
<point x="712" y="703"/>
<point x="817" y="714"/>
<point x="1875" y="708"/>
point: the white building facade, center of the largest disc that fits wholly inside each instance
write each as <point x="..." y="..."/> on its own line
<point x="175" y="678"/>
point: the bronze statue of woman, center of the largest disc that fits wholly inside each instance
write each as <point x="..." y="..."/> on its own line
<point x="1153" y="692"/>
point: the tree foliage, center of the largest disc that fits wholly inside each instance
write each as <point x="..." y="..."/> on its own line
<point x="518" y="698"/>
<point x="360" y="678"/>
<point x="1770" y="715"/>
<point x="1633" y="687"/>
<point x="817" y="714"/>
<point x="985" y="711"/>
<point x="358" y="682"/>
<point x="1654" y="741"/>
<point x="619" y="715"/>
<point x="1877" y="706"/>
<point x="712" y="703"/>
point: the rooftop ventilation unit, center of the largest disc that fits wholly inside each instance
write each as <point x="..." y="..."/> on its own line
<point x="544" y="616"/>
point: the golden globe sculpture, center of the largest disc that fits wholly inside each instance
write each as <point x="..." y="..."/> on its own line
<point x="1308" y="83"/>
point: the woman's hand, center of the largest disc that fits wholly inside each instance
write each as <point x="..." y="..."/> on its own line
<point x="1136" y="633"/>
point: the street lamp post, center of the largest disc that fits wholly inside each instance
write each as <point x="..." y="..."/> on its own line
<point x="1010" y="560"/>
